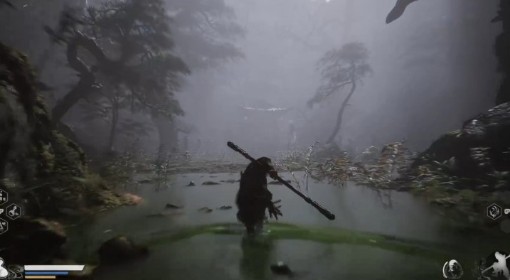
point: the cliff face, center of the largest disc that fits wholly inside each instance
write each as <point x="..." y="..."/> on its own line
<point x="480" y="150"/>
<point x="502" y="50"/>
<point x="46" y="170"/>
<point x="42" y="170"/>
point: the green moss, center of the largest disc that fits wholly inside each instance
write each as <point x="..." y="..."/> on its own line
<point x="53" y="169"/>
<point x="322" y="235"/>
<point x="48" y="156"/>
<point x="456" y="132"/>
<point x="69" y="157"/>
<point x="468" y="195"/>
<point x="432" y="190"/>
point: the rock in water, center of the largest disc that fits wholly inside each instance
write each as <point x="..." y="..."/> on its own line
<point x="120" y="249"/>
<point x="205" y="209"/>
<point x="210" y="183"/>
<point x="191" y="184"/>
<point x="225" y="207"/>
<point x="281" y="268"/>
<point x="172" y="206"/>
<point x="230" y="181"/>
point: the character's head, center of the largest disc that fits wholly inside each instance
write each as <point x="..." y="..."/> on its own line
<point x="500" y="256"/>
<point x="266" y="163"/>
<point x="264" y="160"/>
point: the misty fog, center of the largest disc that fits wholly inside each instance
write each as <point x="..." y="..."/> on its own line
<point x="430" y="72"/>
<point x="432" y="69"/>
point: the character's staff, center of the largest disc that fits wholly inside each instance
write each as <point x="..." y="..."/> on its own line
<point x="323" y="211"/>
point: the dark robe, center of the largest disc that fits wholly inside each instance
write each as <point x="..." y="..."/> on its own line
<point x="253" y="196"/>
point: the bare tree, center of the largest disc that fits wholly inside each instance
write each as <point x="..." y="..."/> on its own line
<point x="341" y="68"/>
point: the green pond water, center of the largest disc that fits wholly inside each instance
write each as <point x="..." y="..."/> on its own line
<point x="374" y="236"/>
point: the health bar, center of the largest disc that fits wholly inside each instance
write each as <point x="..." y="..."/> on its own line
<point x="46" y="273"/>
<point x="53" y="268"/>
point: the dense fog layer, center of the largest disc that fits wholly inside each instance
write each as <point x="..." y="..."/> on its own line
<point x="432" y="69"/>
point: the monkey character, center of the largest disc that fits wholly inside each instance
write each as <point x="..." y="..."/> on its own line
<point x="254" y="197"/>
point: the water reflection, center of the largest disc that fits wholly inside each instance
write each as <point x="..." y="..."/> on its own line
<point x="357" y="208"/>
<point x="256" y="257"/>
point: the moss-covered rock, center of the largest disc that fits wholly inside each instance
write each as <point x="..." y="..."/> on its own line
<point x="50" y="168"/>
<point x="120" y="249"/>
<point x="480" y="150"/>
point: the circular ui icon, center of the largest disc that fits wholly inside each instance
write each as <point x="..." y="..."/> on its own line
<point x="452" y="270"/>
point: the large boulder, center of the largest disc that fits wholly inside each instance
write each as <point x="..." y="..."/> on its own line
<point x="480" y="147"/>
<point x="33" y="241"/>
<point x="120" y="249"/>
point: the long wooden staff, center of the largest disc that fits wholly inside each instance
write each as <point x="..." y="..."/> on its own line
<point x="321" y="209"/>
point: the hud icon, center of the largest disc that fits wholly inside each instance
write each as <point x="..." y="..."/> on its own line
<point x="452" y="270"/>
<point x="494" y="211"/>
<point x="4" y="226"/>
<point x="3" y="271"/>
<point x="495" y="266"/>
<point x="4" y="196"/>
<point x="13" y="211"/>
<point x="15" y="271"/>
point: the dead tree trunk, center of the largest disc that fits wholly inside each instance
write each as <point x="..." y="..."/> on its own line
<point x="340" y="115"/>
<point x="501" y="47"/>
<point x="167" y="136"/>
<point x="113" y="125"/>
<point x="84" y="86"/>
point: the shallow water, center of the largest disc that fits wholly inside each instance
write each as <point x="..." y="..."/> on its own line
<point x="231" y="257"/>
<point x="225" y="257"/>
